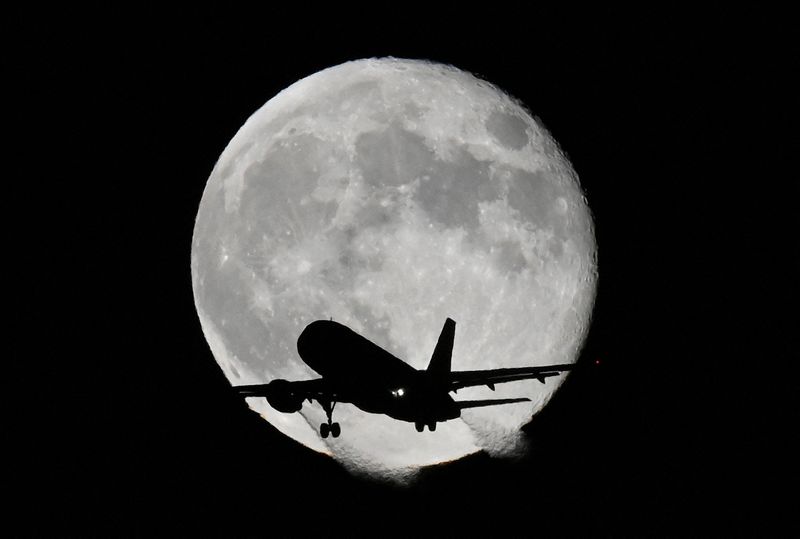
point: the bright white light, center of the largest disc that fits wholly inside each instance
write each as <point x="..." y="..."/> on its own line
<point x="399" y="392"/>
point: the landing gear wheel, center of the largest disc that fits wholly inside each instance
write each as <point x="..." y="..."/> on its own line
<point x="420" y="426"/>
<point x="326" y="429"/>
<point x="432" y="426"/>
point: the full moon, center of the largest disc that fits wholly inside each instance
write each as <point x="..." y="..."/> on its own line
<point x="388" y="195"/>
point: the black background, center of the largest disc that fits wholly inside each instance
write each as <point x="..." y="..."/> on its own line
<point x="120" y="421"/>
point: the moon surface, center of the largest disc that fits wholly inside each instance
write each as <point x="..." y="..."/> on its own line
<point x="389" y="194"/>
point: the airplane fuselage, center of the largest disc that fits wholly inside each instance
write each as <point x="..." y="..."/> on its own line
<point x="371" y="378"/>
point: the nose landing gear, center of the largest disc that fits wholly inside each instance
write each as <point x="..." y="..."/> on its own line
<point x="329" y="428"/>
<point x="332" y="429"/>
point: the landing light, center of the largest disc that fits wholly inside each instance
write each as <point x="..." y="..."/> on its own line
<point x="399" y="392"/>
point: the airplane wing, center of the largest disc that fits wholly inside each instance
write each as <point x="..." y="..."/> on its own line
<point x="316" y="389"/>
<point x="489" y="378"/>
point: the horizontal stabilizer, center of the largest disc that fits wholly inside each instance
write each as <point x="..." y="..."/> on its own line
<point x="488" y="402"/>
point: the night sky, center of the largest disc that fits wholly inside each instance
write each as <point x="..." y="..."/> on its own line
<point x="122" y="423"/>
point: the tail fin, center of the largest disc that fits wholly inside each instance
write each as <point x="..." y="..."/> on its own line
<point x="439" y="366"/>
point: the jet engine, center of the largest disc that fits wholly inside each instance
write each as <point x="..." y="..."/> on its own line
<point x="281" y="397"/>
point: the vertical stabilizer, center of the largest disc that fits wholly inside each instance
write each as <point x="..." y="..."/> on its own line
<point x="439" y="366"/>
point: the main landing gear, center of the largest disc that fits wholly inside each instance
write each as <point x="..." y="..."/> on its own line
<point x="420" y="426"/>
<point x="329" y="428"/>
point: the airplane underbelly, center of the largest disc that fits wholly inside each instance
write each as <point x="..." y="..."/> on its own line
<point x="411" y="407"/>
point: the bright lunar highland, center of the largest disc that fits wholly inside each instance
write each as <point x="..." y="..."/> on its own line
<point x="388" y="195"/>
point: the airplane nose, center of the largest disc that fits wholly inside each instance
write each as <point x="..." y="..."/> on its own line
<point x="312" y="340"/>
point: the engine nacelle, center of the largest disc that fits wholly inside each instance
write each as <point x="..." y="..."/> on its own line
<point x="281" y="397"/>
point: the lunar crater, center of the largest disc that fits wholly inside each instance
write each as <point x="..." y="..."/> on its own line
<point x="508" y="129"/>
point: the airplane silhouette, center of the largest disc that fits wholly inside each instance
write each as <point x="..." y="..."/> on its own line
<point x="357" y="371"/>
